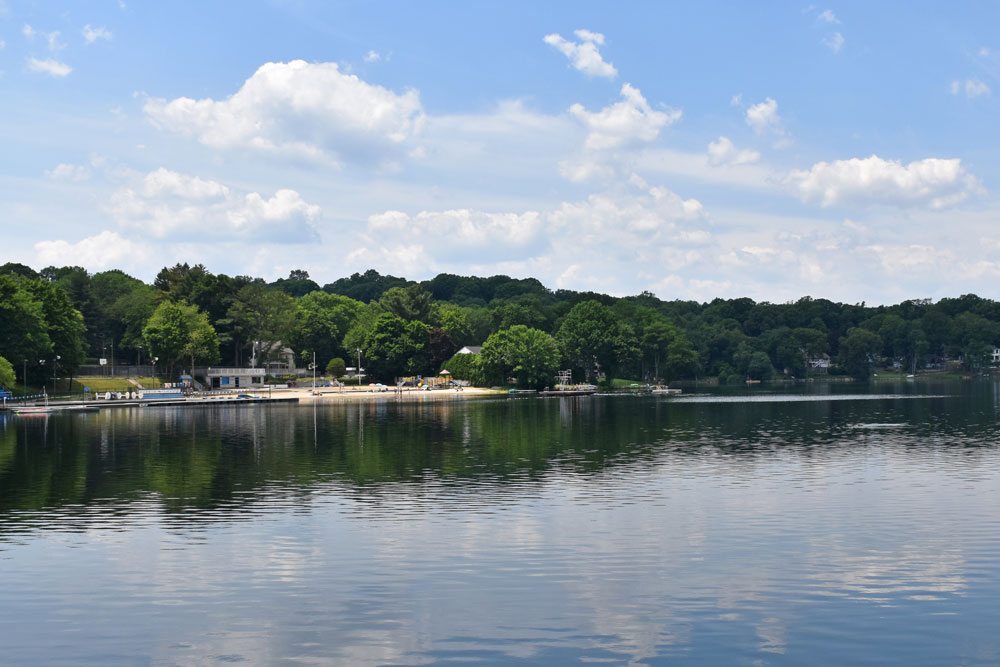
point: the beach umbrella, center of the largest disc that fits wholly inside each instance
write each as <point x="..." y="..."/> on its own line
<point x="444" y="372"/>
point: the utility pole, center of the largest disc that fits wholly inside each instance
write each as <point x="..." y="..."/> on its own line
<point x="359" y="367"/>
<point x="24" y="376"/>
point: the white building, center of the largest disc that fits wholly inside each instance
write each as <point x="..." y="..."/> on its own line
<point x="234" y="378"/>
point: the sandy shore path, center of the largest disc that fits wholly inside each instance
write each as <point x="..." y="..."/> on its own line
<point x="335" y="394"/>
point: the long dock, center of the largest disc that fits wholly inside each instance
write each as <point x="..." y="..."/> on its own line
<point x="192" y="401"/>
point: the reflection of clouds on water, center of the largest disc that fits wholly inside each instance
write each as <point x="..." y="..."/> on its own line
<point x="908" y="571"/>
<point x="471" y="535"/>
<point x="772" y="633"/>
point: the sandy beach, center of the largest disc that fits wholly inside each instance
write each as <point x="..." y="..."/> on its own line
<point x="333" y="394"/>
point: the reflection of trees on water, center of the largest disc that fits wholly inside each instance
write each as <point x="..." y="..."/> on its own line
<point x="204" y="458"/>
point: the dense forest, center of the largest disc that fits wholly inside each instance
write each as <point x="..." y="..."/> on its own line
<point x="54" y="320"/>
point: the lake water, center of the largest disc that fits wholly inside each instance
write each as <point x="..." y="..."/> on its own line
<point x="766" y="528"/>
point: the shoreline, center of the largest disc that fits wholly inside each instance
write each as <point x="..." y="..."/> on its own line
<point x="302" y="395"/>
<point x="331" y="394"/>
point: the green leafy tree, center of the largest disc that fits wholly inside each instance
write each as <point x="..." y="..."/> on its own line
<point x="23" y="328"/>
<point x="7" y="378"/>
<point x="178" y="331"/>
<point x="264" y="316"/>
<point x="336" y="367"/>
<point x="440" y="347"/>
<point x="296" y="284"/>
<point x="321" y="322"/>
<point x="361" y="327"/>
<point x="531" y="355"/>
<point x="411" y="303"/>
<point x="455" y="321"/>
<point x="588" y="337"/>
<point x="366" y="287"/>
<point x="682" y="358"/>
<point x="506" y="315"/>
<point x="466" y="367"/>
<point x="394" y="347"/>
<point x="858" y="351"/>
<point x="64" y="325"/>
<point x="759" y="367"/>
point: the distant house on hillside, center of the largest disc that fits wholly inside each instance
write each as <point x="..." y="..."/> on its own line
<point x="996" y="355"/>
<point x="280" y="360"/>
<point x="821" y="362"/>
<point x="471" y="349"/>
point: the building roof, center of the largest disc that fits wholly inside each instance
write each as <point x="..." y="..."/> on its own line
<point x="471" y="349"/>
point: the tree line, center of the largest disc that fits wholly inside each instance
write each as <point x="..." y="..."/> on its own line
<point x="53" y="320"/>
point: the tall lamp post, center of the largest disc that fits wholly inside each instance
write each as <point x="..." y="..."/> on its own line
<point x="24" y="376"/>
<point x="55" y="371"/>
<point x="41" y="362"/>
<point x="359" y="367"/>
<point x="312" y="366"/>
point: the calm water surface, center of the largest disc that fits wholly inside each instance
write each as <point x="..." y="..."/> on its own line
<point x="762" y="529"/>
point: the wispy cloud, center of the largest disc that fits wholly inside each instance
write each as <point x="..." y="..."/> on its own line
<point x="49" y="66"/>
<point x="91" y="35"/>
<point x="971" y="87"/>
<point x="827" y="16"/>
<point x="584" y="55"/>
<point x="834" y="41"/>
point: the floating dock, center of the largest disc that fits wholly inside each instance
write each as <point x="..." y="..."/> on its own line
<point x="193" y="401"/>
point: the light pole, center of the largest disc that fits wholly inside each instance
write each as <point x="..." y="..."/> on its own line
<point x="312" y="366"/>
<point x="24" y="376"/>
<point x="41" y="362"/>
<point x="359" y="367"/>
<point x="55" y="371"/>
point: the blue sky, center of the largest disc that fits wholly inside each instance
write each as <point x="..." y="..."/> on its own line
<point x="695" y="150"/>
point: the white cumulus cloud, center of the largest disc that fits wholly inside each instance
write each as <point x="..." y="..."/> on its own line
<point x="460" y="230"/>
<point x="629" y="121"/>
<point x="104" y="250"/>
<point x="49" y="66"/>
<point x="68" y="172"/>
<point x="584" y="55"/>
<point x="372" y="57"/>
<point x="91" y="35"/>
<point x="298" y="108"/>
<point x="167" y="204"/>
<point x="723" y="151"/>
<point x="763" y="117"/>
<point x="642" y="226"/>
<point x="933" y="181"/>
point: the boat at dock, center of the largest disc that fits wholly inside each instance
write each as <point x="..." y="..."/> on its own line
<point x="568" y="392"/>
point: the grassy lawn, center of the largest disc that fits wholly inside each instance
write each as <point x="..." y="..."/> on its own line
<point x="618" y="382"/>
